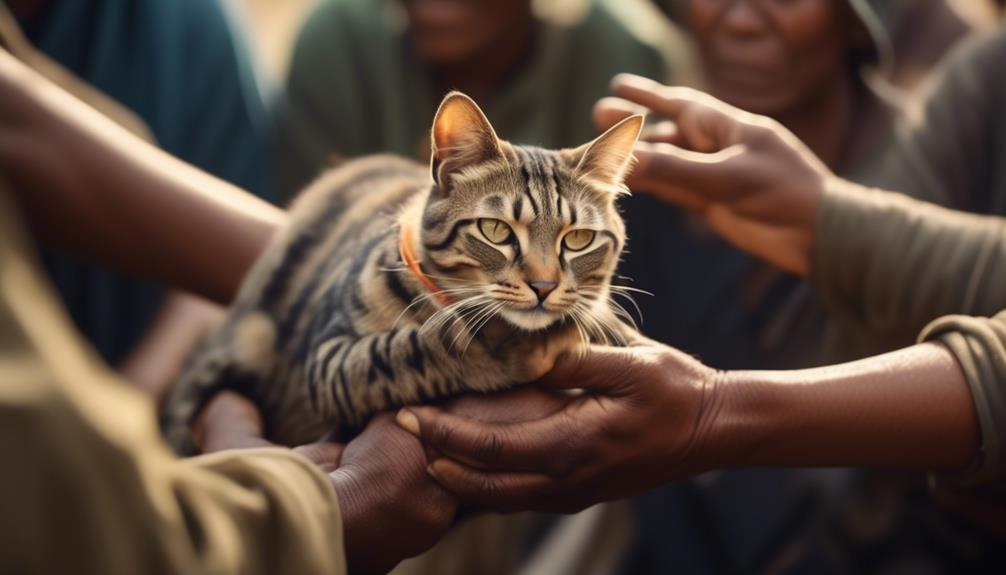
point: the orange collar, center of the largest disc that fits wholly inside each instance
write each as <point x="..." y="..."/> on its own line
<point x="405" y="250"/>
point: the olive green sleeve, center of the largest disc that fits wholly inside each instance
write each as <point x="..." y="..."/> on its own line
<point x="980" y="347"/>
<point x="89" y="487"/>
<point x="891" y="264"/>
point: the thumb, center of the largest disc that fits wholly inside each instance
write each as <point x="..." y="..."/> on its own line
<point x="600" y="369"/>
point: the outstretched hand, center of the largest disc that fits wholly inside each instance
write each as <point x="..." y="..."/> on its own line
<point x="638" y="422"/>
<point x="752" y="180"/>
<point x="391" y="509"/>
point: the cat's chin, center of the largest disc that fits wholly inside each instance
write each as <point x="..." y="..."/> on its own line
<point x="530" y="320"/>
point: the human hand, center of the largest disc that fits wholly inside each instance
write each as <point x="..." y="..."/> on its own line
<point x="640" y="421"/>
<point x="751" y="179"/>
<point x="391" y="508"/>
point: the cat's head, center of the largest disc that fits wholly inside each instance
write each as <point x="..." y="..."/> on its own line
<point x="533" y="233"/>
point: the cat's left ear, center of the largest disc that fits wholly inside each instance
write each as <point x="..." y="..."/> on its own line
<point x="461" y="137"/>
<point x="608" y="158"/>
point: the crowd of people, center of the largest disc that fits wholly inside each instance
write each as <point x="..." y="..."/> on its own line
<point x="817" y="211"/>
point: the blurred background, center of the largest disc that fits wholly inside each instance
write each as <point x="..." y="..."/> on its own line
<point x="269" y="93"/>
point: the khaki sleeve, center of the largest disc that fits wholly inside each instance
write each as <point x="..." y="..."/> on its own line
<point x="980" y="347"/>
<point x="891" y="264"/>
<point x="88" y="486"/>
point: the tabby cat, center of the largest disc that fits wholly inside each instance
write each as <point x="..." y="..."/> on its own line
<point x="387" y="288"/>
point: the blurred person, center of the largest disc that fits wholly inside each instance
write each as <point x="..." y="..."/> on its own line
<point x="873" y="256"/>
<point x="88" y="486"/>
<point x="366" y="75"/>
<point x="812" y="66"/>
<point x="180" y="68"/>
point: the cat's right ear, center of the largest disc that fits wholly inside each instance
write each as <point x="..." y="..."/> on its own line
<point x="461" y="137"/>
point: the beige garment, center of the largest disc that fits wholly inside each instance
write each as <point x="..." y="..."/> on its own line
<point x="89" y="487"/>
<point x="889" y="264"/>
<point x="591" y="542"/>
<point x="980" y="347"/>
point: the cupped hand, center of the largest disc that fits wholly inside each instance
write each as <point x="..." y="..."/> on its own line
<point x="391" y="508"/>
<point x="638" y="421"/>
<point x="751" y="179"/>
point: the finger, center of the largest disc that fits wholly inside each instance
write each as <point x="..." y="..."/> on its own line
<point x="550" y="444"/>
<point x="325" y="455"/>
<point x="493" y="490"/>
<point x="667" y="101"/>
<point x="662" y="131"/>
<point x="610" y="111"/>
<point x="690" y="177"/>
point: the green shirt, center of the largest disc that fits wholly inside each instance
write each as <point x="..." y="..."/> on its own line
<point x="357" y="87"/>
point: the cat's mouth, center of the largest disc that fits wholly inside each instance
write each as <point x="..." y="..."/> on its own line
<point x="533" y="319"/>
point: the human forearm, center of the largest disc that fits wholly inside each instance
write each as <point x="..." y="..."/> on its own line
<point x="909" y="409"/>
<point x="89" y="186"/>
<point x="980" y="347"/>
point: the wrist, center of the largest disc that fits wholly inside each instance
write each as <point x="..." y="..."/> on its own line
<point x="742" y="416"/>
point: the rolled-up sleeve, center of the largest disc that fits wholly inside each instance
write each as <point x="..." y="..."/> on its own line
<point x="980" y="347"/>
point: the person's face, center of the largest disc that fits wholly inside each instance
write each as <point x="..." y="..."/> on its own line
<point x="452" y="31"/>
<point x="769" y="56"/>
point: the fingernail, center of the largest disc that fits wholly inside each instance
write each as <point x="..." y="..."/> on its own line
<point x="432" y="471"/>
<point x="408" y="421"/>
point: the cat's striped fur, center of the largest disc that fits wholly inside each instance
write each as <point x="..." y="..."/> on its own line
<point x="331" y="327"/>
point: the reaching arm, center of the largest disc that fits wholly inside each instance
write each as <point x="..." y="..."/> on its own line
<point x="89" y="186"/>
<point x="651" y="415"/>
<point x="877" y="259"/>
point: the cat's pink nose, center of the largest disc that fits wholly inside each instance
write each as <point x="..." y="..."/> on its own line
<point x="542" y="288"/>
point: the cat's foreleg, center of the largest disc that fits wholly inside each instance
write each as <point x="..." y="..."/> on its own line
<point x="353" y="378"/>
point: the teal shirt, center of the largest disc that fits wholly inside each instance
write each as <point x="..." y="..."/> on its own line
<point x="178" y="66"/>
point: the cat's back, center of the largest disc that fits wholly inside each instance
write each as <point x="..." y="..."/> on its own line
<point x="331" y="220"/>
<point x="359" y="187"/>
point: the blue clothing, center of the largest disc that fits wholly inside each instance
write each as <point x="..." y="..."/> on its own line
<point x="177" y="65"/>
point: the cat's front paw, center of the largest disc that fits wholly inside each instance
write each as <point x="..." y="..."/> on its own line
<point x="539" y="357"/>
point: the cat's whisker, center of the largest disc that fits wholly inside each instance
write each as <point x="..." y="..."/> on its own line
<point x="576" y="313"/>
<point x="487" y="317"/>
<point x="472" y="317"/>
<point x="621" y="291"/>
<point x="455" y="312"/>
<point x="446" y="313"/>
<point x="623" y="313"/>
<point x="602" y="332"/>
<point x="425" y="298"/>
<point x="630" y="289"/>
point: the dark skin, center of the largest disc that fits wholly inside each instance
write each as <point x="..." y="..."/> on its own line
<point x="87" y="185"/>
<point x="789" y="61"/>
<point x="472" y="45"/>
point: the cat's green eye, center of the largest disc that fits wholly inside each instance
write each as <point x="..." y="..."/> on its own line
<point x="577" y="240"/>
<point x="495" y="231"/>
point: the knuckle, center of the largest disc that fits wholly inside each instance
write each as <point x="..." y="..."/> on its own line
<point x="488" y="487"/>
<point x="489" y="447"/>
<point x="442" y="435"/>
